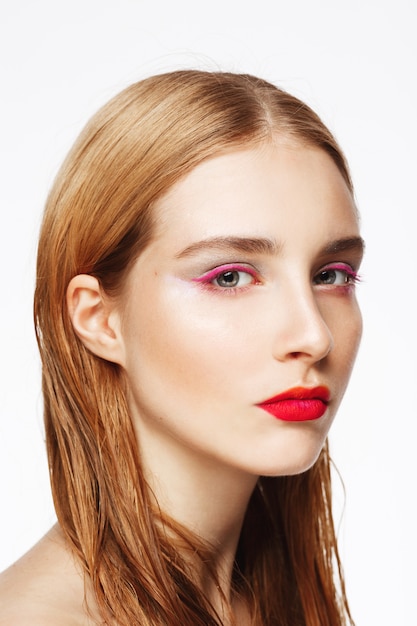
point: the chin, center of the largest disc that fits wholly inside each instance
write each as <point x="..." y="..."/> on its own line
<point x="291" y="464"/>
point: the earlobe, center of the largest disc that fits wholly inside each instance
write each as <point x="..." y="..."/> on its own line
<point x="95" y="321"/>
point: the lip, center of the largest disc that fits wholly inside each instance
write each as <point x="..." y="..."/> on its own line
<point x="299" y="404"/>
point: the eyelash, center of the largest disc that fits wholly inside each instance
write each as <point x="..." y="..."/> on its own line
<point x="351" y="277"/>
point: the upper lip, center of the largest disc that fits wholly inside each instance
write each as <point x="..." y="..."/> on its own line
<point x="321" y="392"/>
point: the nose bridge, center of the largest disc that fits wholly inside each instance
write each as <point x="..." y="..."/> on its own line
<point x="303" y="331"/>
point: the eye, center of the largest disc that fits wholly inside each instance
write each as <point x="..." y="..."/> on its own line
<point x="233" y="278"/>
<point x="229" y="277"/>
<point x="338" y="275"/>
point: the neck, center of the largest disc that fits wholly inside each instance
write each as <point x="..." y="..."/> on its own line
<point x="210" y="501"/>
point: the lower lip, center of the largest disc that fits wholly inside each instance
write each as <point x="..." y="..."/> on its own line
<point x="296" y="410"/>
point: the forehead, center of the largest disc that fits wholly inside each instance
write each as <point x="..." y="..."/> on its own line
<point x="258" y="190"/>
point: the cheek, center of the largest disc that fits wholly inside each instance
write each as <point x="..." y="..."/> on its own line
<point x="178" y="341"/>
<point x="345" y="324"/>
<point x="353" y="330"/>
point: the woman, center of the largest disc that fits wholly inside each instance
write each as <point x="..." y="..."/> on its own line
<point x="196" y="317"/>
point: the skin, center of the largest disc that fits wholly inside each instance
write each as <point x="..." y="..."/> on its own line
<point x="214" y="352"/>
<point x="45" y="588"/>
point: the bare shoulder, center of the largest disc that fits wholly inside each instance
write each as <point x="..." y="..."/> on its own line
<point x="44" y="588"/>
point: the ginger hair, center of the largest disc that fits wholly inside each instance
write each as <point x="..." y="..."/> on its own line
<point x="97" y="220"/>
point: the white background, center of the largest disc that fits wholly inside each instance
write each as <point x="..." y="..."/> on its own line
<point x="354" y="61"/>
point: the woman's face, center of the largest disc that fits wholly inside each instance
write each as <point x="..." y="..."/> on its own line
<point x="246" y="292"/>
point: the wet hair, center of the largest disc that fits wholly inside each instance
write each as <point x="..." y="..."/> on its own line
<point x="98" y="219"/>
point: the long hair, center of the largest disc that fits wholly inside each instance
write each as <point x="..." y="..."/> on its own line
<point x="97" y="220"/>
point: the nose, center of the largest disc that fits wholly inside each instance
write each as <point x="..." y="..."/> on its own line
<point x="302" y="330"/>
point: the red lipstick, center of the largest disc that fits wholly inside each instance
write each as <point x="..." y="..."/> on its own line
<point x="299" y="404"/>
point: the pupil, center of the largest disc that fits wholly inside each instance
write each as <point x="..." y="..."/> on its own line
<point x="328" y="277"/>
<point x="229" y="279"/>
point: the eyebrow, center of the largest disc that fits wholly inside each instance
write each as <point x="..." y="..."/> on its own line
<point x="251" y="245"/>
<point x="344" y="245"/>
<point x="264" y="245"/>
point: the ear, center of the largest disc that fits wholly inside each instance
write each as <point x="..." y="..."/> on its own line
<point x="94" y="318"/>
